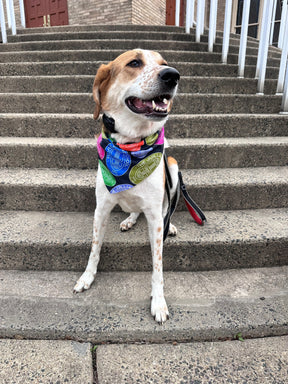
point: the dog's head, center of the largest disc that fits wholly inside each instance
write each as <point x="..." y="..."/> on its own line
<point x="136" y="90"/>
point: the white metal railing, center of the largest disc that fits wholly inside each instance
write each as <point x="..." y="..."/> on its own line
<point x="11" y="22"/>
<point x="266" y="37"/>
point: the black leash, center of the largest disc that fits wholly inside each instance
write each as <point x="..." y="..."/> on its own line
<point x="193" y="208"/>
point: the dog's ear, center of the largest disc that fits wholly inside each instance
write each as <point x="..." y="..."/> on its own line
<point x="100" y="84"/>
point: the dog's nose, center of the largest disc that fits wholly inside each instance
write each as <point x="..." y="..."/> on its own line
<point x="170" y="76"/>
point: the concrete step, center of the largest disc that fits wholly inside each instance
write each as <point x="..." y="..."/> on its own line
<point x="124" y="30"/>
<point x="105" y="35"/>
<point x="203" y="306"/>
<point x="84" y="83"/>
<point x="184" y="103"/>
<point x="61" y="241"/>
<point x="102" y="27"/>
<point x="178" y="126"/>
<point x="88" y="68"/>
<point x="67" y="153"/>
<point x="149" y="43"/>
<point x="138" y="35"/>
<point x="127" y="34"/>
<point x="45" y="361"/>
<point x="261" y="360"/>
<point x="110" y="54"/>
<point x="213" y="189"/>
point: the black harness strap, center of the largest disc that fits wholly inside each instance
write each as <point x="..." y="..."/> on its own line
<point x="109" y="123"/>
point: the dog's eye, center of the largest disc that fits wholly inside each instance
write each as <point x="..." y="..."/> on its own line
<point x="135" y="64"/>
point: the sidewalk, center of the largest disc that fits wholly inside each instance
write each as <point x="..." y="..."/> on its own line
<point x="263" y="361"/>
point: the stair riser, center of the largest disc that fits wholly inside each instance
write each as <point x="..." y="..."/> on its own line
<point x="125" y="35"/>
<point x="107" y="55"/>
<point x="82" y="199"/>
<point x="90" y="68"/>
<point x="84" y="84"/>
<point x="201" y="156"/>
<point x="183" y="103"/>
<point x="119" y="257"/>
<point x="125" y="45"/>
<point x="176" y="127"/>
<point x="100" y="28"/>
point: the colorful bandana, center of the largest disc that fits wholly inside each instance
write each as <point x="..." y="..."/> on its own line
<point x="125" y="165"/>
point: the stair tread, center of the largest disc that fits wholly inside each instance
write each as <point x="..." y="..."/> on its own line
<point x="76" y="227"/>
<point x="197" y="301"/>
<point x="195" y="177"/>
<point x="173" y="142"/>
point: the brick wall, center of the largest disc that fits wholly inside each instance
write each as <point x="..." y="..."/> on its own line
<point x="99" y="12"/>
<point x="149" y="12"/>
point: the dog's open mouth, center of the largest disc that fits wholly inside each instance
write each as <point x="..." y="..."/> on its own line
<point x="156" y="107"/>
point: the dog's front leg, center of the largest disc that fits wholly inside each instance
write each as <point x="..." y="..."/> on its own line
<point x="100" y="221"/>
<point x="159" y="309"/>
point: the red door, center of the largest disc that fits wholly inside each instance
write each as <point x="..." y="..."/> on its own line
<point x="45" y="13"/>
<point x="170" y="12"/>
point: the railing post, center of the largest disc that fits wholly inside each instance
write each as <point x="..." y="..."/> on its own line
<point x="282" y="25"/>
<point x="226" y="32"/>
<point x="212" y="24"/>
<point x="284" y="55"/>
<point x="188" y="16"/>
<point x="12" y="14"/>
<point x="285" y="93"/>
<point x="264" y="45"/>
<point x="192" y="12"/>
<point x="3" y="23"/>
<point x="272" y="23"/>
<point x="177" y="13"/>
<point x="22" y="13"/>
<point x="200" y="19"/>
<point x="243" y="38"/>
<point x="8" y="13"/>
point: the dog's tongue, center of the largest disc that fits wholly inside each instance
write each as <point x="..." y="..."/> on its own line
<point x="140" y="104"/>
<point x="151" y="104"/>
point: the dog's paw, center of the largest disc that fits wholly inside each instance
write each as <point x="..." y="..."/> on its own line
<point x="129" y="222"/>
<point x="159" y="309"/>
<point x="84" y="282"/>
<point x="172" y="230"/>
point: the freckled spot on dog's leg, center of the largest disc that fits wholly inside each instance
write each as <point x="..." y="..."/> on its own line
<point x="159" y="229"/>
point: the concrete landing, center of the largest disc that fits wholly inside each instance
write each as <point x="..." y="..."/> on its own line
<point x="262" y="361"/>
<point x="44" y="361"/>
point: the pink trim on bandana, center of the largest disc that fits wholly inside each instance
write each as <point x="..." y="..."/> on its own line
<point x="160" y="139"/>
<point x="101" y="151"/>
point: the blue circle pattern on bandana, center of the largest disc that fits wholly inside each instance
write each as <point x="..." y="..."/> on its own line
<point x="119" y="162"/>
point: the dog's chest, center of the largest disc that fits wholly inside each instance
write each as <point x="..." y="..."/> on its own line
<point x="147" y="194"/>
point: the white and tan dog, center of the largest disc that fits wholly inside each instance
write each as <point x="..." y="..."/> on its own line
<point x="135" y="92"/>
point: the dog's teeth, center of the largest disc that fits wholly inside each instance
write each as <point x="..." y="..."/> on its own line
<point x="165" y="101"/>
<point x="144" y="102"/>
<point x="153" y="104"/>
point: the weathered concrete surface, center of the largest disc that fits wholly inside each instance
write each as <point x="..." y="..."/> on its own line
<point x="184" y="103"/>
<point x="84" y="83"/>
<point x="195" y="153"/>
<point x="203" y="306"/>
<point x="260" y="361"/>
<point x="213" y="189"/>
<point x="178" y="126"/>
<point x="62" y="241"/>
<point x="44" y="361"/>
